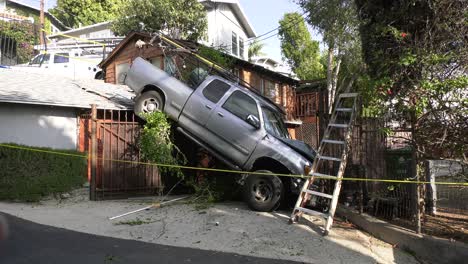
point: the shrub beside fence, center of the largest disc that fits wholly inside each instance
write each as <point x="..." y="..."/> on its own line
<point x="29" y="175"/>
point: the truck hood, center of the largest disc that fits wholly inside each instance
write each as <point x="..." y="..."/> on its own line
<point x="301" y="147"/>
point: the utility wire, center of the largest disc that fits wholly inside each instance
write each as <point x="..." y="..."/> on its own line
<point x="250" y="41"/>
<point x="266" y="33"/>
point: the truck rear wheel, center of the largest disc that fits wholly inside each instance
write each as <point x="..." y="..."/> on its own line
<point x="148" y="102"/>
<point x="263" y="192"/>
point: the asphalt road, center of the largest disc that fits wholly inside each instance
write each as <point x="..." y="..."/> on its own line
<point x="29" y="242"/>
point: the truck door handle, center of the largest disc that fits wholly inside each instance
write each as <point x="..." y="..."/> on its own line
<point x="220" y="114"/>
<point x="209" y="107"/>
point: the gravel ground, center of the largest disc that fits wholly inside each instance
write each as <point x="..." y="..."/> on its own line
<point x="226" y="227"/>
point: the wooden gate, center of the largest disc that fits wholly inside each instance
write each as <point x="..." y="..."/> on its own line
<point x="114" y="168"/>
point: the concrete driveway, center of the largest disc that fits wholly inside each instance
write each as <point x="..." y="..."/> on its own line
<point x="238" y="231"/>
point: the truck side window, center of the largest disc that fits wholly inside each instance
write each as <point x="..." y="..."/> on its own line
<point x="241" y="105"/>
<point x="61" y="58"/>
<point x="39" y="58"/>
<point x="215" y="90"/>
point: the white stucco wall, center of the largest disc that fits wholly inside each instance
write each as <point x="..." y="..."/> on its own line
<point x="220" y="28"/>
<point x="38" y="126"/>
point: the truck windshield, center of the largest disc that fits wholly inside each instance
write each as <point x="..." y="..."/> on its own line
<point x="274" y="123"/>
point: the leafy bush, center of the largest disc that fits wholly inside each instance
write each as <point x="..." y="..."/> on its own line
<point x="156" y="144"/>
<point x="27" y="175"/>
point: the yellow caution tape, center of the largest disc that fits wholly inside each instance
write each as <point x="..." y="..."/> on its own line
<point x="231" y="171"/>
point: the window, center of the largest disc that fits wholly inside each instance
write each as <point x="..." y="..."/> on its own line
<point x="61" y="58"/>
<point x="241" y="105"/>
<point x="121" y="72"/>
<point x="234" y="44"/>
<point x="43" y="57"/>
<point x="274" y="123"/>
<point x="170" y="66"/>
<point x="157" y="61"/>
<point x="236" y="73"/>
<point x="269" y="89"/>
<point x="241" y="47"/>
<point x="215" y="90"/>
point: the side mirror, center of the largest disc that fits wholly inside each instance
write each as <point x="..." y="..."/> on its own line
<point x="253" y="120"/>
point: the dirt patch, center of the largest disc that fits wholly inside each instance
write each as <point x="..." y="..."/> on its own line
<point x="445" y="225"/>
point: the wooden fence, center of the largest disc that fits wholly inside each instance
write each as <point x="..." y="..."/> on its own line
<point x="111" y="139"/>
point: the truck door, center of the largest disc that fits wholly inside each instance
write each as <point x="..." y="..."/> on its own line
<point x="200" y="105"/>
<point x="61" y="65"/>
<point x="229" y="131"/>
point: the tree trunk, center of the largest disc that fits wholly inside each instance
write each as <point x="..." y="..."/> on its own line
<point x="329" y="76"/>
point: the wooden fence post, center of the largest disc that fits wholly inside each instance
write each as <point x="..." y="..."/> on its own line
<point x="93" y="153"/>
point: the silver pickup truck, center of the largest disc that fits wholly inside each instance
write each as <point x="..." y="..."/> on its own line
<point x="239" y="127"/>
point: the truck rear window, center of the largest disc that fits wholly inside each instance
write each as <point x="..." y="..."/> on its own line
<point x="61" y="58"/>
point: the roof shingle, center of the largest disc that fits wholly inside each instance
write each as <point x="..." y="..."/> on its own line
<point x="28" y="87"/>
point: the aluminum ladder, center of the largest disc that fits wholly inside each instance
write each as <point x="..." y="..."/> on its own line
<point x="337" y="134"/>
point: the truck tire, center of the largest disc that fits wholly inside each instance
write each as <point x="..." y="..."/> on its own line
<point x="148" y="102"/>
<point x="263" y="192"/>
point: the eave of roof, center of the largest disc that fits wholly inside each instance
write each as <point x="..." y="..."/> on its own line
<point x="52" y="17"/>
<point x="239" y="12"/>
<point x="80" y="29"/>
<point x="122" y="44"/>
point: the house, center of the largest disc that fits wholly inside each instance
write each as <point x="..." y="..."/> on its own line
<point x="43" y="110"/>
<point x="228" y="27"/>
<point x="273" y="65"/>
<point x="277" y="87"/>
<point x="18" y="10"/>
<point x="98" y="30"/>
<point x="88" y="38"/>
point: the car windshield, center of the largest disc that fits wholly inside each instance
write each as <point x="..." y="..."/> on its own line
<point x="274" y="123"/>
<point x="38" y="58"/>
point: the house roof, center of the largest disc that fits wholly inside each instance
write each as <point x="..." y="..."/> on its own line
<point x="24" y="85"/>
<point x="238" y="12"/>
<point x="192" y="45"/>
<point x="77" y="30"/>
<point x="51" y="17"/>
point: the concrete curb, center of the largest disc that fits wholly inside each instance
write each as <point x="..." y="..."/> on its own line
<point x="426" y="248"/>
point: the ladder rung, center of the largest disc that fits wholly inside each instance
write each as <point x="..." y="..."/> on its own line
<point x="344" y="109"/>
<point x="311" y="212"/>
<point x="333" y="141"/>
<point x="345" y="95"/>
<point x="329" y="158"/>
<point x="324" y="176"/>
<point x="339" y="125"/>
<point x="329" y="196"/>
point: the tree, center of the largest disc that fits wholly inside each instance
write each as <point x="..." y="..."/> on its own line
<point x="255" y="49"/>
<point x="301" y="52"/>
<point x="337" y="21"/>
<point x="417" y="60"/>
<point x="85" y="12"/>
<point x="176" y="18"/>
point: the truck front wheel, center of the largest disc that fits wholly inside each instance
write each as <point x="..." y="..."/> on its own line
<point x="263" y="192"/>
<point x="148" y="102"/>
